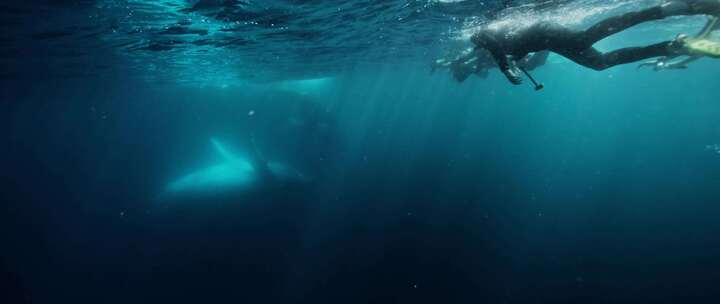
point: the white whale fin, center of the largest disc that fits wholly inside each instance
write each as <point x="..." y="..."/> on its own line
<point x="224" y="152"/>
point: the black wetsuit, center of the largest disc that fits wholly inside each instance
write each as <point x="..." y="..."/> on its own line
<point x="578" y="45"/>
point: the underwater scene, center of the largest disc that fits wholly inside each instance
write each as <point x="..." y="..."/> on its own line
<point x="359" y="151"/>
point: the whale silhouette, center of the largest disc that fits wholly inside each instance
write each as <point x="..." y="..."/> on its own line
<point x="235" y="173"/>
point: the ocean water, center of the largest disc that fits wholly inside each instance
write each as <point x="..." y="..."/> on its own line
<point x="287" y="151"/>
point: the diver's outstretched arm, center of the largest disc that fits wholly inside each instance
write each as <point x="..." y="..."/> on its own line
<point x="504" y="64"/>
<point x="489" y="42"/>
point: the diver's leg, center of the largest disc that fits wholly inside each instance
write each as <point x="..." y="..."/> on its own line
<point x="633" y="54"/>
<point x="596" y="60"/>
<point x="589" y="57"/>
<point x="620" y="23"/>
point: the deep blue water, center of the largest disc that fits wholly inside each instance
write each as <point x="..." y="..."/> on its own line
<point x="601" y="188"/>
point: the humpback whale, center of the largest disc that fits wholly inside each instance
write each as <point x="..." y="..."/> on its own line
<point x="234" y="173"/>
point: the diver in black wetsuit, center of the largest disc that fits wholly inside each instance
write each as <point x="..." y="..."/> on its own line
<point x="578" y="45"/>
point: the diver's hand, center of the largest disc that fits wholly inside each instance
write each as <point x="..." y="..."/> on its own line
<point x="512" y="76"/>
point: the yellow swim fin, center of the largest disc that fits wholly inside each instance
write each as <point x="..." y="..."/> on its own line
<point x="702" y="47"/>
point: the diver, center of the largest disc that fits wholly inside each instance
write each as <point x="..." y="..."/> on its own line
<point x="478" y="62"/>
<point x="667" y="63"/>
<point x="506" y="48"/>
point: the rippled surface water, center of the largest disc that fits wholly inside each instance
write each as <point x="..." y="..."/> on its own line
<point x="226" y="41"/>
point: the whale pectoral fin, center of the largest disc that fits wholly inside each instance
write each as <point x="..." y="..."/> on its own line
<point x="224" y="152"/>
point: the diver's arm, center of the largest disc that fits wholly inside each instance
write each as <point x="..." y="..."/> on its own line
<point x="489" y="42"/>
<point x="500" y="58"/>
<point x="504" y="65"/>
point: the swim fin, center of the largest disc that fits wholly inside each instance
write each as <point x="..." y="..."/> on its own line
<point x="702" y="47"/>
<point x="712" y="25"/>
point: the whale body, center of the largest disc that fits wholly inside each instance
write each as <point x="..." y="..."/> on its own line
<point x="234" y="173"/>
